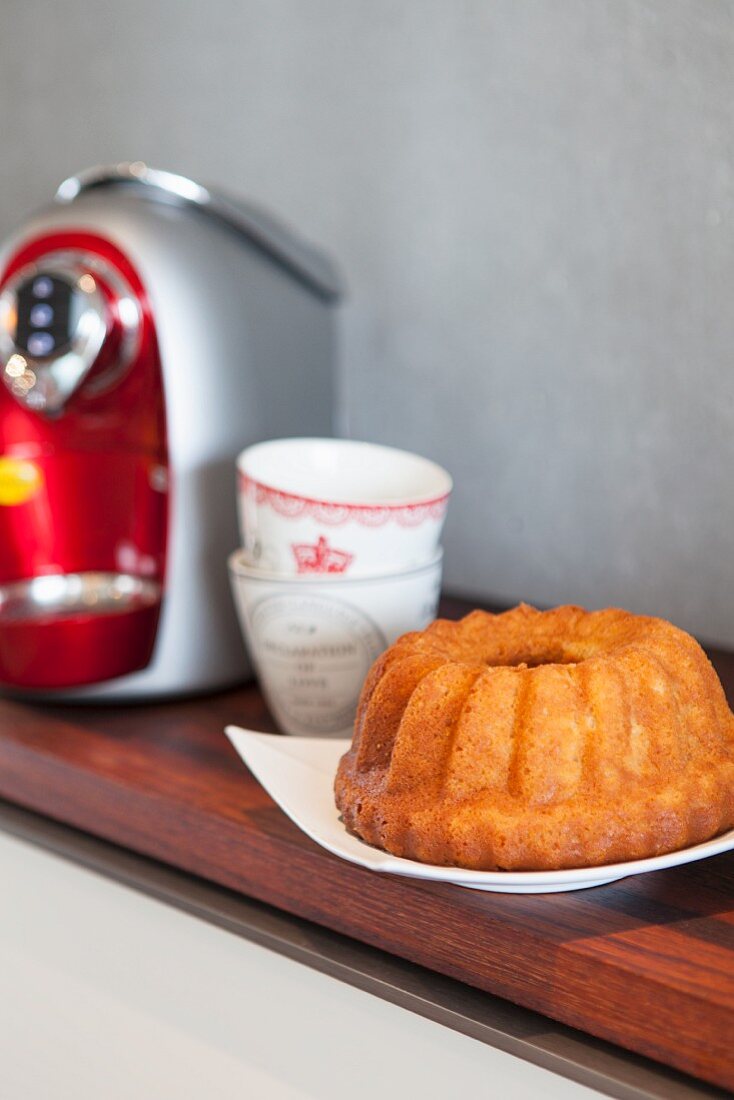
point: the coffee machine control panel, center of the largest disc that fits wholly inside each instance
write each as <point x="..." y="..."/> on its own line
<point x="43" y="323"/>
<point x="67" y="320"/>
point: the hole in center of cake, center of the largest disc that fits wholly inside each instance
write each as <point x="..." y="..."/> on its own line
<point x="531" y="660"/>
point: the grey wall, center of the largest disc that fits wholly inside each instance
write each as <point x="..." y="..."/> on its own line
<point x="533" y="201"/>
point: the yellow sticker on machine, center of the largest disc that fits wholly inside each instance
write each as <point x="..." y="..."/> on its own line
<point x="20" y="479"/>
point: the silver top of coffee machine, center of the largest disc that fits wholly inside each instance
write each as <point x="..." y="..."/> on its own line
<point x="265" y="232"/>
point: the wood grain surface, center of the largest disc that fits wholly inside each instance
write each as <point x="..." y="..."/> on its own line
<point x="647" y="962"/>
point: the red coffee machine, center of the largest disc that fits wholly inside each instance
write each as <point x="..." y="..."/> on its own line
<point x="149" y="329"/>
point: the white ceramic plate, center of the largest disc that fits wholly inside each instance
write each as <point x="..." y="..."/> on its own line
<point x="298" y="774"/>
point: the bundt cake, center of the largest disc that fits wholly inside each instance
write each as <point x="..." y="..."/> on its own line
<point x="539" y="740"/>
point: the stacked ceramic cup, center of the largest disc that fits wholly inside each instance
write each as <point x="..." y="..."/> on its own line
<point x="341" y="556"/>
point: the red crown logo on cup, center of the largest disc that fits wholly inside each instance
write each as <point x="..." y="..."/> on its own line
<point x="321" y="558"/>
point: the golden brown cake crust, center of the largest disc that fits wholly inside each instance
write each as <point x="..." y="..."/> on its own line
<point x="540" y="740"/>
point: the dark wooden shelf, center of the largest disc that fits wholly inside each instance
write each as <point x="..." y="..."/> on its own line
<point x="646" y="963"/>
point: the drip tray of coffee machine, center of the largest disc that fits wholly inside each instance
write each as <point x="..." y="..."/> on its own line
<point x="76" y="594"/>
<point x="75" y="627"/>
